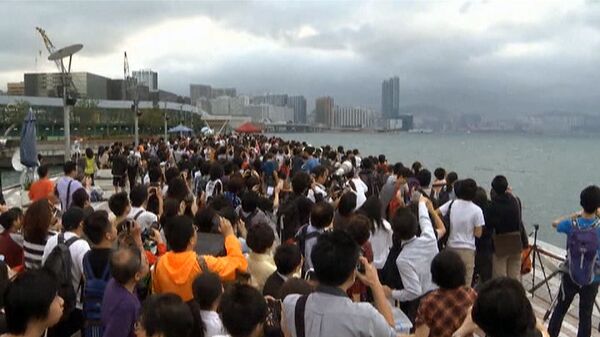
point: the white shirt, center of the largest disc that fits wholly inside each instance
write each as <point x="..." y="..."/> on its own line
<point x="381" y="242"/>
<point x="415" y="259"/>
<point x="464" y="217"/>
<point x="145" y="219"/>
<point x="213" y="324"/>
<point x="78" y="250"/>
<point x="361" y="190"/>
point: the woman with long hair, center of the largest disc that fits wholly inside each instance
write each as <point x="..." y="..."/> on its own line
<point x="39" y="224"/>
<point x="381" y="231"/>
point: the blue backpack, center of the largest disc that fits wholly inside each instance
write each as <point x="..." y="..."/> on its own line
<point x="93" y="292"/>
<point x="582" y="252"/>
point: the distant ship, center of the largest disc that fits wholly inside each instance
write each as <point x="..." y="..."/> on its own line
<point x="420" y="131"/>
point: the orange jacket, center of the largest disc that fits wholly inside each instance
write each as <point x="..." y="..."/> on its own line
<point x="175" y="272"/>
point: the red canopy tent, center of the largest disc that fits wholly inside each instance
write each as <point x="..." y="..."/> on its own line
<point x="248" y="127"/>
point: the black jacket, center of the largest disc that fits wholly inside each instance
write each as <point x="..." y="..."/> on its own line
<point x="505" y="214"/>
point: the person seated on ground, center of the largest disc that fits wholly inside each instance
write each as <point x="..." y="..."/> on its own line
<point x="139" y="200"/>
<point x="72" y="237"/>
<point x="442" y="311"/>
<point x="260" y="240"/>
<point x="42" y="188"/>
<point x="328" y="311"/>
<point x="466" y="224"/>
<point x="321" y="217"/>
<point x="207" y="289"/>
<point x="501" y="309"/>
<point x="11" y="250"/>
<point x="289" y="262"/>
<point x="582" y="277"/>
<point x="39" y="224"/>
<point x="359" y="229"/>
<point x="243" y="311"/>
<point x="417" y="253"/>
<point x="32" y="304"/>
<point x="165" y="315"/>
<point x="177" y="269"/>
<point x="120" y="305"/>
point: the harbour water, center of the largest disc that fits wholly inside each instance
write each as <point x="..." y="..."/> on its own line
<point x="546" y="172"/>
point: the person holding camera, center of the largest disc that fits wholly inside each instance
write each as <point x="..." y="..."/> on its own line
<point x="328" y="311"/>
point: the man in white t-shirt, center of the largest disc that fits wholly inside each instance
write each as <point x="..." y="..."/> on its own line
<point x="466" y="224"/>
<point x="72" y="222"/>
<point x="139" y="198"/>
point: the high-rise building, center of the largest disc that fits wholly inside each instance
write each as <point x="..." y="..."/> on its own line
<point x="324" y="111"/>
<point x="15" y="89"/>
<point x="390" y="97"/>
<point x="269" y="113"/>
<point x="218" y="92"/>
<point x="148" y="78"/>
<point x="201" y="94"/>
<point x="352" y="117"/>
<point x="87" y="85"/>
<point x="298" y="103"/>
<point x="273" y="99"/>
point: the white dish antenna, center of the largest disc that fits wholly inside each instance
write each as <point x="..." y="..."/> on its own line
<point x="65" y="52"/>
<point x="16" y="161"/>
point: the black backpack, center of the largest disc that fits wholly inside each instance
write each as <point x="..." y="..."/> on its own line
<point x="370" y="179"/>
<point x="59" y="262"/>
<point x="443" y="241"/>
<point x="288" y="219"/>
<point x="389" y="274"/>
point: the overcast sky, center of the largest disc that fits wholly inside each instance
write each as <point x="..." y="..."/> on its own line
<point x="494" y="57"/>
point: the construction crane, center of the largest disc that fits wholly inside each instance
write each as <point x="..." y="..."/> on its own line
<point x="132" y="87"/>
<point x="68" y="82"/>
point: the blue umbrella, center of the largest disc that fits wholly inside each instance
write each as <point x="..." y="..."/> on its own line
<point x="28" y="141"/>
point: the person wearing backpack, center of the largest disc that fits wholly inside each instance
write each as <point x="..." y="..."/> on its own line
<point x="102" y="234"/>
<point x="583" y="246"/>
<point x="67" y="185"/>
<point x="133" y="166"/>
<point x="119" y="169"/>
<point x="63" y="255"/>
<point x="321" y="217"/>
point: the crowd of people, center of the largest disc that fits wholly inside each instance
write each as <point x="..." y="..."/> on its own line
<point x="248" y="236"/>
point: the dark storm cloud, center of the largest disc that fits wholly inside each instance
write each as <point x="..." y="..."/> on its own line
<point x="461" y="70"/>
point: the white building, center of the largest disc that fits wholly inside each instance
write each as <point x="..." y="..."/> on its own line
<point x="352" y="117"/>
<point x="148" y="78"/>
<point x="269" y="113"/>
<point x="225" y="105"/>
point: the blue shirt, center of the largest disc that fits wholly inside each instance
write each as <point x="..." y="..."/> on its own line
<point x="310" y="165"/>
<point x="566" y="227"/>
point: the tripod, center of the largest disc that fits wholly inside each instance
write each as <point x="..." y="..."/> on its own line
<point x="537" y="256"/>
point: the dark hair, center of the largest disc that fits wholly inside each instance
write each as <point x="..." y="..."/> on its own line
<point x="207" y="288"/>
<point x="500" y="184"/>
<point x="216" y="171"/>
<point x="439" y="173"/>
<point x="89" y="153"/>
<point x="424" y="177"/>
<point x="72" y="218"/>
<point x="203" y="220"/>
<point x="287" y="258"/>
<point x="28" y="298"/>
<point x="179" y="231"/>
<point x="155" y="174"/>
<point x="334" y="257"/>
<point x="117" y="203"/>
<point x="178" y="189"/>
<point x="416" y="167"/>
<point x="235" y="184"/>
<point x="466" y="189"/>
<point x="170" y="174"/>
<point x="448" y="270"/>
<point x="589" y="199"/>
<point x="171" y="209"/>
<point x="319" y="171"/>
<point x="138" y="195"/>
<point x="69" y="167"/>
<point x="359" y="228"/>
<point x="8" y="218"/>
<point x="301" y="182"/>
<point x="347" y="203"/>
<point x="295" y="285"/>
<point x="321" y="214"/>
<point x="260" y="238"/>
<point x="250" y="201"/>
<point x="481" y="199"/>
<point x="405" y="224"/>
<point x="36" y="221"/>
<point x="451" y="177"/>
<point x="125" y="263"/>
<point x="168" y="315"/>
<point x="80" y="197"/>
<point x="96" y="225"/>
<point x="4" y="281"/>
<point x="372" y="209"/>
<point x="242" y="308"/>
<point x="503" y="309"/>
<point x="42" y="171"/>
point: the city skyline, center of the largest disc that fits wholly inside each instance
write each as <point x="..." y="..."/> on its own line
<point x="494" y="58"/>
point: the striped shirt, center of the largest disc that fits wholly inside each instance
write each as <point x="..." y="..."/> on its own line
<point x="34" y="252"/>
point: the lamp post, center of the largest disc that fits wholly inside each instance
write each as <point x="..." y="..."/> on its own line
<point x="68" y="102"/>
<point x="166" y="122"/>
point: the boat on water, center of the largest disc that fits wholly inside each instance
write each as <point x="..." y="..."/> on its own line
<point x="420" y="131"/>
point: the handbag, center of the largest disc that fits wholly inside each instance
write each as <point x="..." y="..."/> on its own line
<point x="507" y="243"/>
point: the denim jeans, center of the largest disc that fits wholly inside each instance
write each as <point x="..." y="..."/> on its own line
<point x="587" y="297"/>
